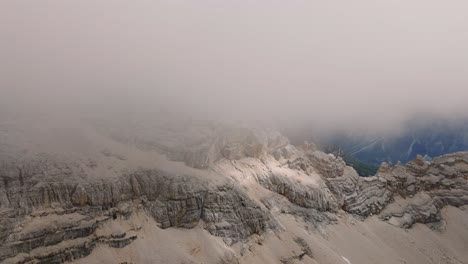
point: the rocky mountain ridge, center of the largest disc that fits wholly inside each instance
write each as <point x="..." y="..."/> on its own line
<point x="235" y="183"/>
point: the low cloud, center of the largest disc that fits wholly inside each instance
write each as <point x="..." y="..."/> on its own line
<point x="367" y="65"/>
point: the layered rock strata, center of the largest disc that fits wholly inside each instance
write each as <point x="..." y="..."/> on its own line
<point x="52" y="210"/>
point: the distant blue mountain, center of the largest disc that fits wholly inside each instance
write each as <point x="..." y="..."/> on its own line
<point x="430" y="138"/>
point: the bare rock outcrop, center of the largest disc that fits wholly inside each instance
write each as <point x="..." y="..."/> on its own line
<point x="424" y="186"/>
<point x="231" y="182"/>
<point x="172" y="200"/>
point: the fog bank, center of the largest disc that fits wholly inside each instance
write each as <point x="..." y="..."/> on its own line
<point x="368" y="65"/>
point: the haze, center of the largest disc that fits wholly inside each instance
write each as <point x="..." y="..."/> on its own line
<point x="366" y="64"/>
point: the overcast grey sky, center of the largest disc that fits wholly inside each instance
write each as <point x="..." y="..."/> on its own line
<point x="367" y="63"/>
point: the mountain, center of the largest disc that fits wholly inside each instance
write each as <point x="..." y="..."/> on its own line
<point x="364" y="169"/>
<point x="426" y="137"/>
<point x="148" y="192"/>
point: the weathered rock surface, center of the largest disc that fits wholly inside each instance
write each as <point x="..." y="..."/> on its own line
<point x="173" y="201"/>
<point x="52" y="210"/>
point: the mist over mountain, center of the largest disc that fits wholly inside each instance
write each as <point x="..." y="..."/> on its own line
<point x="419" y="136"/>
<point x="364" y="66"/>
<point x="181" y="131"/>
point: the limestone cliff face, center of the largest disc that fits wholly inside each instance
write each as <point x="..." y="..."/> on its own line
<point x="172" y="200"/>
<point x="234" y="184"/>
